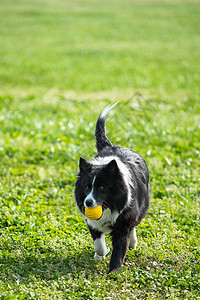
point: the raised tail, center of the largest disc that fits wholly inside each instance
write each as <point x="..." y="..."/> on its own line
<point x="100" y="131"/>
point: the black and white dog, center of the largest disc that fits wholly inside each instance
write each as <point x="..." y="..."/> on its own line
<point x="118" y="180"/>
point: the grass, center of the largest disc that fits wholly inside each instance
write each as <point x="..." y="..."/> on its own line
<point x="151" y="45"/>
<point x="61" y="64"/>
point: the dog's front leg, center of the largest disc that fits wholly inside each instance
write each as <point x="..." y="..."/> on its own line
<point x="120" y="247"/>
<point x="99" y="243"/>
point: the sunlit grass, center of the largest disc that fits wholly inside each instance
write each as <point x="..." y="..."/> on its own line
<point x="45" y="245"/>
<point x="147" y="45"/>
<point x="61" y="64"/>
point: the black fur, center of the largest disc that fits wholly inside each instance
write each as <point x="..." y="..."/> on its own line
<point x="118" y="179"/>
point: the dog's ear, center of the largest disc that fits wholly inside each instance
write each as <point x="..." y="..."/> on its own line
<point x="84" y="165"/>
<point x="112" y="167"/>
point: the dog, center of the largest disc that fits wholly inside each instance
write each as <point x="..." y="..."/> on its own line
<point x="118" y="180"/>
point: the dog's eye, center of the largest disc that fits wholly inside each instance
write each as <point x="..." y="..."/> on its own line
<point x="101" y="188"/>
<point x="87" y="188"/>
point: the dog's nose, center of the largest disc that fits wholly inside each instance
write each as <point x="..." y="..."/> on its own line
<point x="89" y="202"/>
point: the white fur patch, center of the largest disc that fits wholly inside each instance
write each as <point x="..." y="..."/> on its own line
<point x="100" y="247"/>
<point x="90" y="196"/>
<point x="104" y="223"/>
<point x="107" y="110"/>
<point x="133" y="239"/>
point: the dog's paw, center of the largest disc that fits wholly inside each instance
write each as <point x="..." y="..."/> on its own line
<point x="113" y="271"/>
<point x="133" y="246"/>
<point x="108" y="250"/>
<point x="98" y="257"/>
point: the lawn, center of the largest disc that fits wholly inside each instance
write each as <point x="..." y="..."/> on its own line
<point x="61" y="63"/>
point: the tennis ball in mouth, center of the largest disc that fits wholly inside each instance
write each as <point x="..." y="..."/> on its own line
<point x="94" y="213"/>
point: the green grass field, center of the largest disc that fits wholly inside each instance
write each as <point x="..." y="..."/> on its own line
<point x="61" y="63"/>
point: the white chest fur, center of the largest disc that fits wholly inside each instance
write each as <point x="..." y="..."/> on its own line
<point x="103" y="224"/>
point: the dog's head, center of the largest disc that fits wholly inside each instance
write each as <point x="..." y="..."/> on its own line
<point x="100" y="185"/>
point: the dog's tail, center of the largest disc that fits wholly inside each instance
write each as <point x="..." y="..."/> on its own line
<point x="100" y="132"/>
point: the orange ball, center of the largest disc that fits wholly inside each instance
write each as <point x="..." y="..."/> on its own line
<point x="94" y="213"/>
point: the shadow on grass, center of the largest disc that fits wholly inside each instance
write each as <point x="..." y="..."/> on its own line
<point x="48" y="266"/>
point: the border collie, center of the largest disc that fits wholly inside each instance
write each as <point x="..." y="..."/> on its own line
<point x="118" y="180"/>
